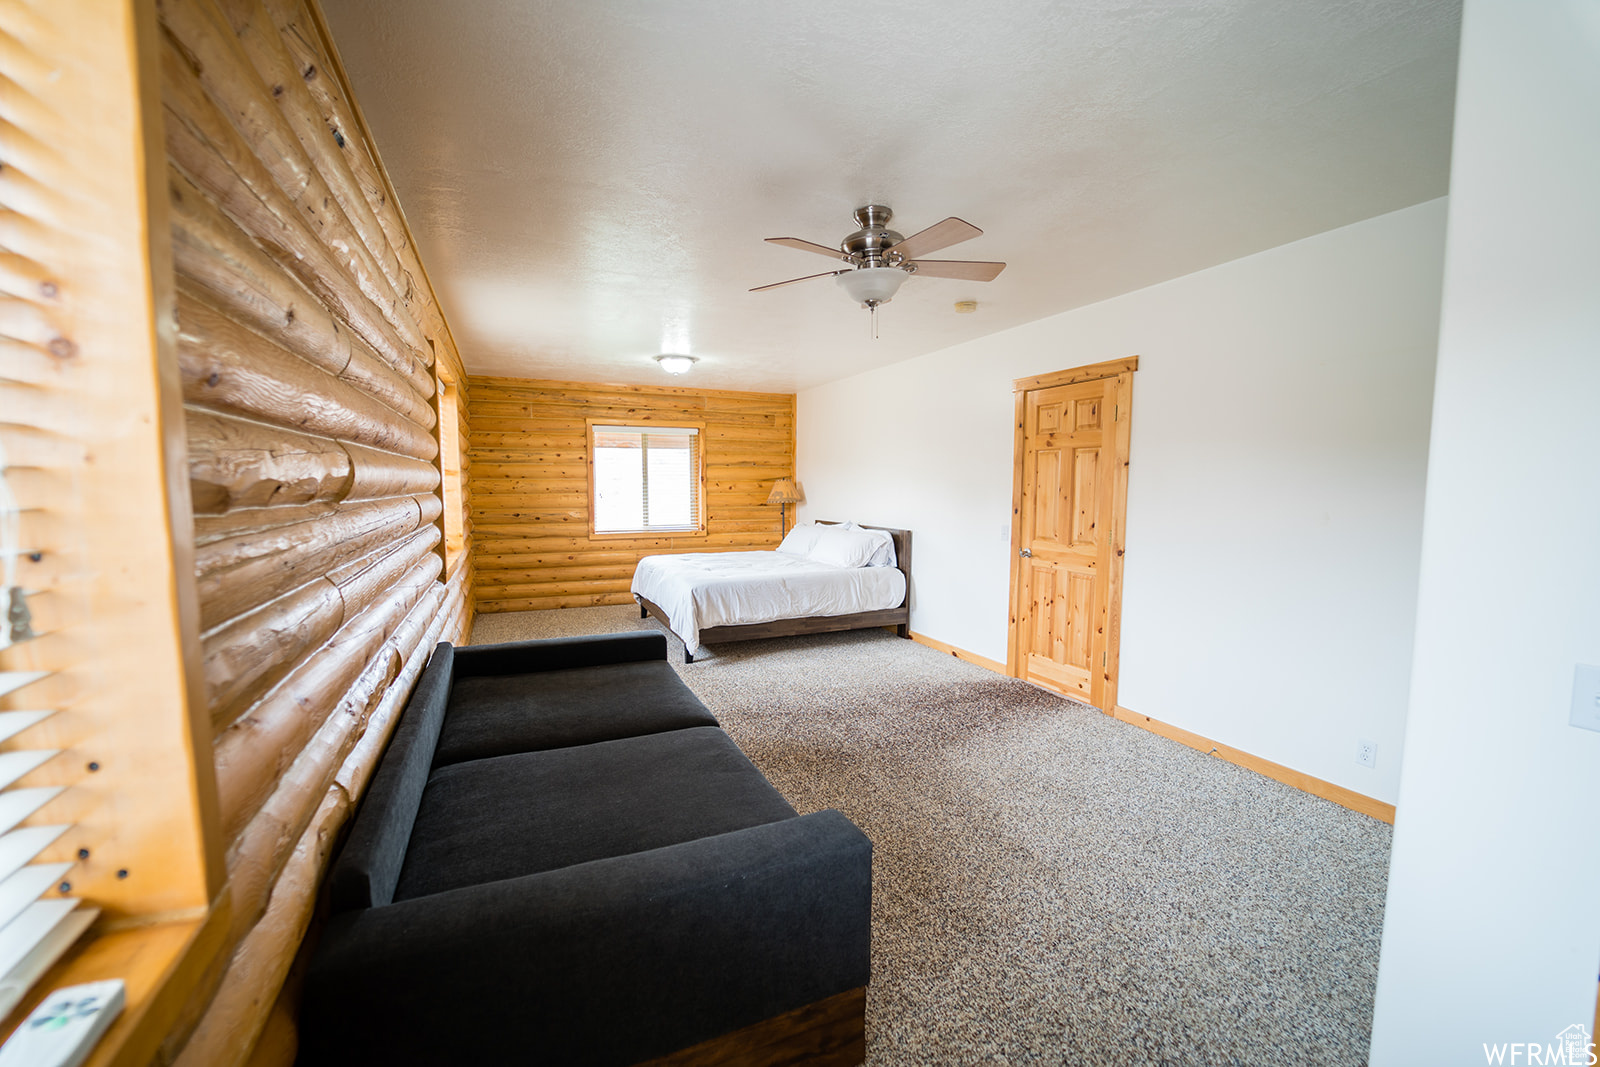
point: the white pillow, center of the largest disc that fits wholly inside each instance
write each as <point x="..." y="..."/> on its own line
<point x="848" y="545"/>
<point x="884" y="556"/>
<point x="800" y="540"/>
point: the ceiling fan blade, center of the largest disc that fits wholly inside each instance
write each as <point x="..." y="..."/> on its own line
<point x="791" y="281"/>
<point x="940" y="235"/>
<point x="809" y="246"/>
<point x="967" y="270"/>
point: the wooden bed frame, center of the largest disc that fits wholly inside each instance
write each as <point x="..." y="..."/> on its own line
<point x="899" y="618"/>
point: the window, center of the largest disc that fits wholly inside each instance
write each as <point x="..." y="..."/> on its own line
<point x="644" y="479"/>
<point x="455" y="527"/>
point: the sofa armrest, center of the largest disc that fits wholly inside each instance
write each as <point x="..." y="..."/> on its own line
<point x="613" y="961"/>
<point x="558" y="653"/>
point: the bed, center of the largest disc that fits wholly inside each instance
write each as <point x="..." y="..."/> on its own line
<point x="707" y="598"/>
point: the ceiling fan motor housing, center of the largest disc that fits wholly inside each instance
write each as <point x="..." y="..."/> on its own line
<point x="870" y="245"/>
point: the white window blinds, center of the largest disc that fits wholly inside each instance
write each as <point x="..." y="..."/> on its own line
<point x="38" y="920"/>
<point x="645" y="478"/>
<point x="106" y="793"/>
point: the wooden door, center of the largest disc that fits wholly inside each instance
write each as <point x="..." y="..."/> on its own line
<point x="1071" y="477"/>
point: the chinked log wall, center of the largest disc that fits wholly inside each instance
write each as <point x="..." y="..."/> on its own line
<point x="530" y="490"/>
<point x="307" y="337"/>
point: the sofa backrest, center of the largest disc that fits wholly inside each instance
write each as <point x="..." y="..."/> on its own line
<point x="365" y="874"/>
<point x="559" y="653"/>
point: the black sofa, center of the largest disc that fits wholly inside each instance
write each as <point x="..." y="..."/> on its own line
<point x="563" y="859"/>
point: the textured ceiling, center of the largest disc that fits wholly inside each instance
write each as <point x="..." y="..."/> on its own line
<point x="589" y="182"/>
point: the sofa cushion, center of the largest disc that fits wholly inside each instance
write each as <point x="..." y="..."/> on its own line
<point x="369" y="865"/>
<point x="491" y="819"/>
<point x="611" y="962"/>
<point x="496" y="715"/>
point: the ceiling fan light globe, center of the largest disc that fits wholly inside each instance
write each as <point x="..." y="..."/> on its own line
<point x="872" y="285"/>
<point x="675" y="364"/>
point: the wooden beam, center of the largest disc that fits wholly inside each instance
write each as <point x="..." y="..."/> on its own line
<point x="539" y="388"/>
<point x="236" y="463"/>
<point x="237" y="575"/>
<point x="215" y="156"/>
<point x="223" y="65"/>
<point x="229" y="368"/>
<point x="257" y="750"/>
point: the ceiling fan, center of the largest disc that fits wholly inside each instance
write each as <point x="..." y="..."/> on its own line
<point x="881" y="259"/>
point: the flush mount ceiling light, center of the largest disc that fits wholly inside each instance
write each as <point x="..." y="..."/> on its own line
<point x="674" y="364"/>
<point x="881" y="259"/>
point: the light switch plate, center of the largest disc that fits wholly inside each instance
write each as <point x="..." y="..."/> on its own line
<point x="1586" y="697"/>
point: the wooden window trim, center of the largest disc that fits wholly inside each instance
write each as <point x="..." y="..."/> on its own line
<point x="452" y="488"/>
<point x="697" y="425"/>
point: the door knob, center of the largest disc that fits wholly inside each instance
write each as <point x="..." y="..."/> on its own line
<point x="1027" y="552"/>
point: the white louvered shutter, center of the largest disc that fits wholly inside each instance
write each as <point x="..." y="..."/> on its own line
<point x="37" y="921"/>
<point x="35" y="929"/>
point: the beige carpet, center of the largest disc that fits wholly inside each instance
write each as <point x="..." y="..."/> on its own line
<point x="1051" y="886"/>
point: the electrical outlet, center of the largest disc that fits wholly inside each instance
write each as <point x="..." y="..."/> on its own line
<point x="1585" y="697"/>
<point x="1366" y="753"/>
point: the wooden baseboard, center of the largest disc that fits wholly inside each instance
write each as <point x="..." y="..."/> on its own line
<point x="959" y="653"/>
<point x="1347" y="798"/>
<point x="829" y="1033"/>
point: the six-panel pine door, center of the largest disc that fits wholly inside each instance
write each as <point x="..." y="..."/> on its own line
<point x="1068" y="524"/>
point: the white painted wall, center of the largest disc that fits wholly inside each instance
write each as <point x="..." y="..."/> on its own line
<point x="1492" y="929"/>
<point x="1275" y="498"/>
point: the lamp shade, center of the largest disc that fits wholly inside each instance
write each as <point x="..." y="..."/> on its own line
<point x="785" y="491"/>
<point x="872" y="285"/>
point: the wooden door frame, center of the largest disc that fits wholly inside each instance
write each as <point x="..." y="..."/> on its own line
<point x="1111" y="605"/>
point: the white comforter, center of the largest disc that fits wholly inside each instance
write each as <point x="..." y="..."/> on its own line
<point x="705" y="589"/>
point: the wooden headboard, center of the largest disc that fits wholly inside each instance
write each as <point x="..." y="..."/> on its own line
<point x="902" y="547"/>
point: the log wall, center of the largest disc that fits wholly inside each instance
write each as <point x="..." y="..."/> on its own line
<point x="530" y="499"/>
<point x="311" y="352"/>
